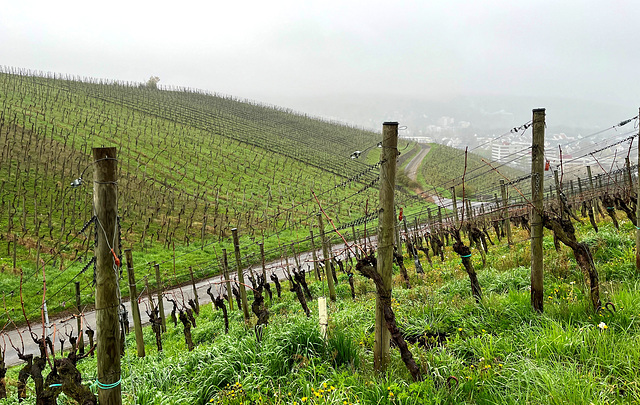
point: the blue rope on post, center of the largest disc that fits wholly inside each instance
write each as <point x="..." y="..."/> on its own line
<point x="108" y="386"/>
<point x="469" y="255"/>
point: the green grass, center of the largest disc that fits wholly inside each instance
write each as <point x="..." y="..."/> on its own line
<point x="499" y="351"/>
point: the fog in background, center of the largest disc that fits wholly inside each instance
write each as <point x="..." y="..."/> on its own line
<point x="484" y="65"/>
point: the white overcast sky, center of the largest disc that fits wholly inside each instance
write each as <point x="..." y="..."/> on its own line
<point x="279" y="50"/>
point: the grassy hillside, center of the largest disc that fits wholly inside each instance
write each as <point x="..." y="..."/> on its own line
<point x="499" y="351"/>
<point x="192" y="166"/>
<point x="444" y="166"/>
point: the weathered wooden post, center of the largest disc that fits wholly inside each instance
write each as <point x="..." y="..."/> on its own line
<point x="316" y="268"/>
<point x="537" y="195"/>
<point x="327" y="260"/>
<point x="386" y="223"/>
<point x="506" y="222"/>
<point x="105" y="202"/>
<point x="559" y="194"/>
<point x="135" y="310"/>
<point x="455" y="207"/>
<point x="638" y="213"/>
<point x="355" y="240"/>
<point x="225" y="273"/>
<point x="79" y="318"/>
<point x="243" y="291"/>
<point x="398" y="237"/>
<point x="594" y="199"/>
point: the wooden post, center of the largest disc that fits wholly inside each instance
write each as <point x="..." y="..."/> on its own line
<point x="135" y="310"/>
<point x="149" y="294"/>
<point x="580" y="187"/>
<point x="105" y="202"/>
<point x="571" y="187"/>
<point x="195" y="290"/>
<point x="455" y="207"/>
<point x="355" y="240"/>
<point x="322" y="315"/>
<point x="505" y="212"/>
<point x="79" y="319"/>
<point x="595" y="202"/>
<point x="398" y="236"/>
<point x="327" y="260"/>
<point x="386" y="223"/>
<point x="316" y="268"/>
<point x="225" y="273"/>
<point x="243" y="291"/>
<point x="537" y="190"/>
<point x="638" y="214"/>
<point x="441" y="225"/>
<point x="160" y="303"/>
<point x="559" y="194"/>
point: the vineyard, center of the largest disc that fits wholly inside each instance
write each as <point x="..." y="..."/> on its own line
<point x="192" y="166"/>
<point x="465" y="322"/>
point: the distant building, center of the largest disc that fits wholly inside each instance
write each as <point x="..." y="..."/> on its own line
<point x="515" y="154"/>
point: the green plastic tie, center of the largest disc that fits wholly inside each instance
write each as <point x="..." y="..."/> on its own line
<point x="108" y="386"/>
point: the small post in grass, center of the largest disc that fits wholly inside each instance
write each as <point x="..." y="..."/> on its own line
<point x="135" y="310"/>
<point x="243" y="291"/>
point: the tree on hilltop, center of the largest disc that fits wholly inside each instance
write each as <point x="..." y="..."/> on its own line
<point x="152" y="83"/>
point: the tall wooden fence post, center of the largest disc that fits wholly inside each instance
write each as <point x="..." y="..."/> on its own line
<point x="135" y="310"/>
<point x="386" y="223"/>
<point x="327" y="260"/>
<point x="105" y="202"/>
<point x="243" y="291"/>
<point x="537" y="194"/>
<point x="638" y="213"/>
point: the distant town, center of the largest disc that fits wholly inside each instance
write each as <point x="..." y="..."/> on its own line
<point x="513" y="148"/>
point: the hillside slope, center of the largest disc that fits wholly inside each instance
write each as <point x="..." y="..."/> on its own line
<point x="191" y="167"/>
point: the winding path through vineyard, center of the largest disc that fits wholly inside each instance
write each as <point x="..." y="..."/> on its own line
<point x="411" y="170"/>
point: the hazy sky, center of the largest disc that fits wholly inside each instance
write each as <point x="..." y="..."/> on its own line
<point x="278" y="50"/>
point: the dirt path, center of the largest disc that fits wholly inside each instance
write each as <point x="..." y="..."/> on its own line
<point x="411" y="170"/>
